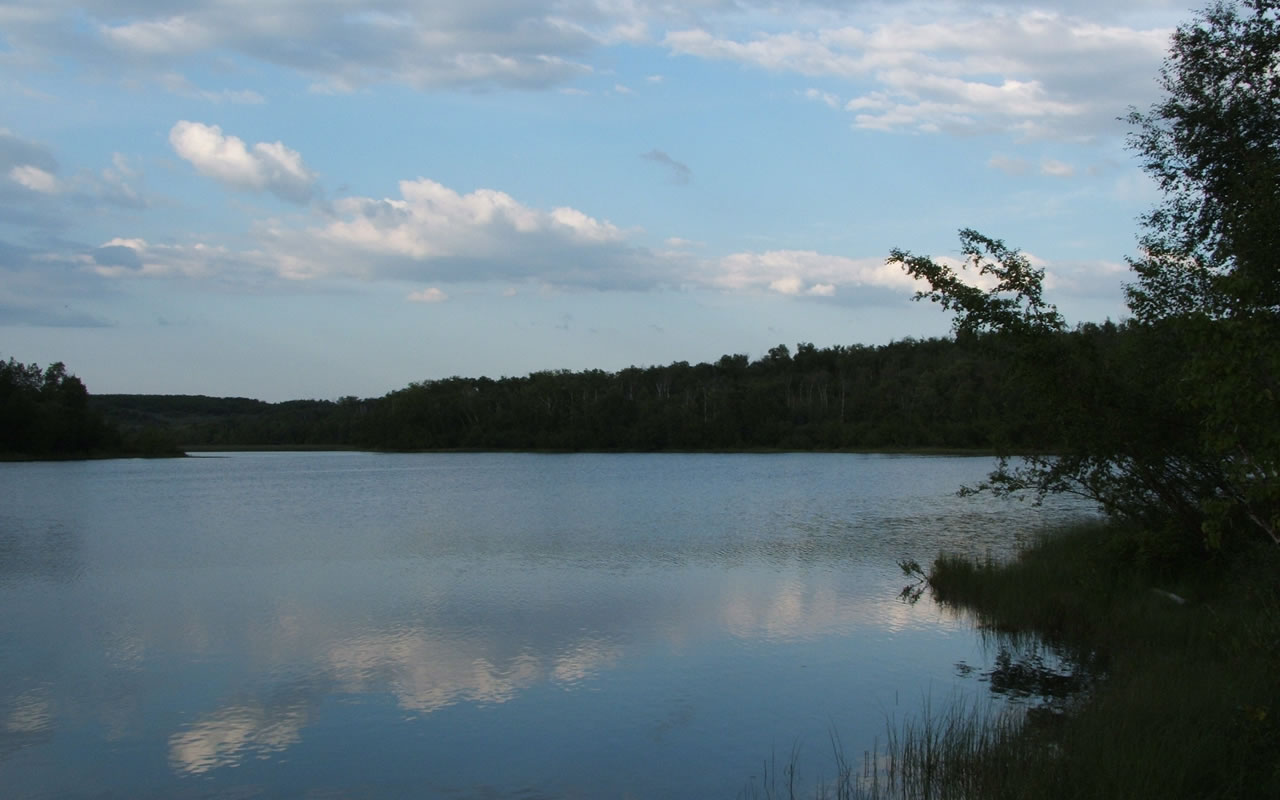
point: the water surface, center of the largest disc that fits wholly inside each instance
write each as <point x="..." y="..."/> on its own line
<point x="361" y="625"/>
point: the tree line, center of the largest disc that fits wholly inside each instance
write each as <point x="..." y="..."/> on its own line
<point x="940" y="393"/>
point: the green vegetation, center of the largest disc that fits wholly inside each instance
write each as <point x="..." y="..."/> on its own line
<point x="1170" y="611"/>
<point x="1170" y="688"/>
<point x="913" y="394"/>
<point x="1177" y="427"/>
<point x="1189" y="705"/>
<point x="46" y="413"/>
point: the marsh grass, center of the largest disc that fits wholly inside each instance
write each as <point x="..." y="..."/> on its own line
<point x="1186" y="656"/>
<point x="1179" y="690"/>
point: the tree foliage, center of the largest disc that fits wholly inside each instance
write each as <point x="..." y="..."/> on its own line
<point x="914" y="393"/>
<point x="1212" y="144"/>
<point x="45" y="412"/>
<point x="1180" y="426"/>
<point x="1015" y="304"/>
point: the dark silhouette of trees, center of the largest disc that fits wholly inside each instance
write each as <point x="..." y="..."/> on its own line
<point x="925" y="393"/>
<point x="1174" y="418"/>
<point x="46" y="413"/>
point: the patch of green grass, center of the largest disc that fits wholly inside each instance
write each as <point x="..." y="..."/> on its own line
<point x="1188" y="654"/>
<point x="1176" y="692"/>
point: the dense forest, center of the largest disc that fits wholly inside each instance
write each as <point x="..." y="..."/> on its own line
<point x="953" y="393"/>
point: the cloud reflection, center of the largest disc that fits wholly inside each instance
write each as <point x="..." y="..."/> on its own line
<point x="424" y="671"/>
<point x="427" y="671"/>
<point x="31" y="714"/>
<point x="229" y="735"/>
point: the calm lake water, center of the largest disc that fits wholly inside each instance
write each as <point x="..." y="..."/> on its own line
<point x="355" y="625"/>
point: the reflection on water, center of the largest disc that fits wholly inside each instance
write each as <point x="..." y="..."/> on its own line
<point x="468" y="625"/>
<point x="229" y="735"/>
<point x="427" y="672"/>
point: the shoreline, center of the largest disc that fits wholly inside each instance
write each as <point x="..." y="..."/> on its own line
<point x="1174" y="693"/>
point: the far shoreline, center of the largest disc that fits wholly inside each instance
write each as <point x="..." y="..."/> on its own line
<point x="291" y="448"/>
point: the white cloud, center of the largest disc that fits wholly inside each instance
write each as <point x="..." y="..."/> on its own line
<point x="429" y="295"/>
<point x="37" y="194"/>
<point x="788" y="285"/>
<point x="1041" y="74"/>
<point x="1058" y="169"/>
<point x="34" y="178"/>
<point x="436" y="235"/>
<point x="678" y="242"/>
<point x="267" y="166"/>
<point x="342" y="45"/>
<point x="797" y="272"/>
<point x="585" y="228"/>
<point x="827" y="98"/>
<point x="167" y="36"/>
<point x="133" y="257"/>
<point x="1074" y="51"/>
<point x="432" y="232"/>
<point x="621" y="89"/>
<point x="1010" y="165"/>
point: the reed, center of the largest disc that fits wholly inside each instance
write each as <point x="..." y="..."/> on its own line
<point x="1178" y="693"/>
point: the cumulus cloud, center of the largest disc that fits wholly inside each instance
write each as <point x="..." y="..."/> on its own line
<point x="264" y="167"/>
<point x="434" y="233"/>
<point x="680" y="173"/>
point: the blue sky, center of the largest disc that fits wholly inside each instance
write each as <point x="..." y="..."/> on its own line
<point x="315" y="198"/>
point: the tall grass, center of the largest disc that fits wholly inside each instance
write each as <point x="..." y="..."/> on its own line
<point x="1183" y="695"/>
<point x="1187" y="651"/>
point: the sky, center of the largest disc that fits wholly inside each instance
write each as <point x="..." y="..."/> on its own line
<point x="317" y="198"/>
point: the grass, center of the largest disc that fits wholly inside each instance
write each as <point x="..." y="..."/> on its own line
<point x="1187" y="651"/>
<point x="1182" y="698"/>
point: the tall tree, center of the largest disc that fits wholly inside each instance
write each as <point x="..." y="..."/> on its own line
<point x="1210" y="265"/>
<point x="1180" y="425"/>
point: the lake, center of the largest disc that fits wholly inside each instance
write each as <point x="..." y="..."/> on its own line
<point x="358" y="625"/>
